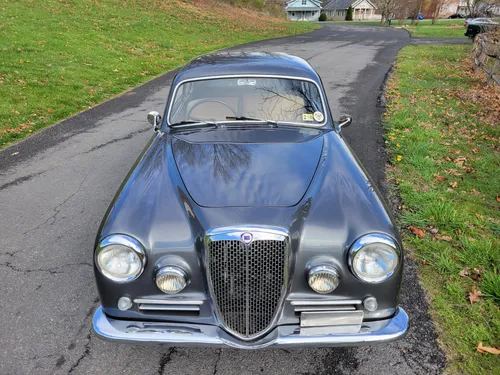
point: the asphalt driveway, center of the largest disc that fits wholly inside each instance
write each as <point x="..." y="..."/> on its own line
<point x="56" y="186"/>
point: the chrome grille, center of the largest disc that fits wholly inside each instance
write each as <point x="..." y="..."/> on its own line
<point x="247" y="282"/>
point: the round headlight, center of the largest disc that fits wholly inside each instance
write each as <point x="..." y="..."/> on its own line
<point x="374" y="257"/>
<point x="120" y="258"/>
<point x="171" y="280"/>
<point x="323" y="279"/>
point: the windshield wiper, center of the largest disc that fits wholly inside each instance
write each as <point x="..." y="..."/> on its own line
<point x="243" y="118"/>
<point x="190" y="124"/>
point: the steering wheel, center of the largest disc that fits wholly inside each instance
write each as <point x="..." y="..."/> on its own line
<point x="203" y="101"/>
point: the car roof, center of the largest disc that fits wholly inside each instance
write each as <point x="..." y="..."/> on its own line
<point x="246" y="63"/>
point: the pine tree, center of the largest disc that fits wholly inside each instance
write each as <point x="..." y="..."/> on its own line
<point x="349" y="14"/>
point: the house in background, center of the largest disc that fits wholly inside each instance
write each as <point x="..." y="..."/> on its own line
<point x="303" y="10"/>
<point x="363" y="10"/>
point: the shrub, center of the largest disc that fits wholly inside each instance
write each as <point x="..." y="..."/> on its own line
<point x="349" y="15"/>
<point x="322" y="17"/>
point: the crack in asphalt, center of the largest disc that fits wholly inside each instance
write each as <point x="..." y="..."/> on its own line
<point x="85" y="353"/>
<point x="20" y="180"/>
<point x="217" y="362"/>
<point x="57" y="208"/>
<point x="49" y="270"/>
<point x="31" y="176"/>
<point x="165" y="359"/>
<point x="116" y="140"/>
<point x="62" y="359"/>
<point x="337" y="361"/>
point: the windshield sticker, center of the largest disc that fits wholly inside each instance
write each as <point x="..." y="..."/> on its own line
<point x="307" y="117"/>
<point x="318" y="116"/>
<point x="247" y="82"/>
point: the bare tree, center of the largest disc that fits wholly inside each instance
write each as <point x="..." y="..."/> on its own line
<point x="386" y="8"/>
<point x="436" y="6"/>
<point x="401" y="9"/>
<point x="482" y="8"/>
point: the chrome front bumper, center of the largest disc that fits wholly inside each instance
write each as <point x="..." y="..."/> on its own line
<point x="180" y="334"/>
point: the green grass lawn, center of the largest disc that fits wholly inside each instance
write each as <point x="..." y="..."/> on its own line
<point x="448" y="30"/>
<point x="440" y="29"/>
<point x="444" y="139"/>
<point x="59" y="57"/>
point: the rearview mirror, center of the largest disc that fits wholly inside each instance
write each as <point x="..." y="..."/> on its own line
<point x="154" y="119"/>
<point x="344" y="121"/>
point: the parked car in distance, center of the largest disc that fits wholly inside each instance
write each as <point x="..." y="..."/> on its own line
<point x="456" y="15"/>
<point x="247" y="222"/>
<point x="479" y="25"/>
<point x="420" y="16"/>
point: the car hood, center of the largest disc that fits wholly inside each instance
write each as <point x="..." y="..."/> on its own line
<point x="223" y="173"/>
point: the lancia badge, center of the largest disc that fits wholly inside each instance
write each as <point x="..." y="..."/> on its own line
<point x="246" y="238"/>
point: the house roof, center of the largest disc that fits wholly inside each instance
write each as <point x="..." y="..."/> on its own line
<point x="298" y="4"/>
<point x="344" y="4"/>
<point x="246" y="63"/>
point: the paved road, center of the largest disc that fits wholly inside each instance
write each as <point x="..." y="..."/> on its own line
<point x="55" y="188"/>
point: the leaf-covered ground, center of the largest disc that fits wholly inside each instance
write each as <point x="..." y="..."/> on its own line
<point x="443" y="135"/>
<point x="59" y="57"/>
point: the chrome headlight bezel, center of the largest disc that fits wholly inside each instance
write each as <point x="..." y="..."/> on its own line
<point x="126" y="241"/>
<point x="175" y="272"/>
<point x="326" y="271"/>
<point x="369" y="239"/>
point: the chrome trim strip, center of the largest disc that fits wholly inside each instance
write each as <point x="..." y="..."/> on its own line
<point x="167" y="301"/>
<point x="324" y="308"/>
<point x="259" y="232"/>
<point x="304" y="124"/>
<point x="189" y="335"/>
<point x="169" y="307"/>
<point x="326" y="302"/>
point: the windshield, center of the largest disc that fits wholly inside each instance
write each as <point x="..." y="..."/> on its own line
<point x="248" y="98"/>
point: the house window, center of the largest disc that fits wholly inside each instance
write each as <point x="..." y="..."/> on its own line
<point x="293" y="14"/>
<point x="304" y="2"/>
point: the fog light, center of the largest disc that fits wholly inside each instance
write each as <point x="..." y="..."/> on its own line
<point x="171" y="280"/>
<point x="124" y="303"/>
<point x="323" y="279"/>
<point x="370" y="303"/>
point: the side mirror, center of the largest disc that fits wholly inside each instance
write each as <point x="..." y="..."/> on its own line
<point x="154" y="119"/>
<point x="344" y="121"/>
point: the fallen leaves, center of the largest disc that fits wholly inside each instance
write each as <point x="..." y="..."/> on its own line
<point x="433" y="230"/>
<point x="475" y="295"/>
<point x="419" y="232"/>
<point x="453" y="184"/>
<point x="487" y="349"/>
<point x="460" y="161"/>
<point x="472" y="272"/>
<point x="443" y="238"/>
<point x="438" y="177"/>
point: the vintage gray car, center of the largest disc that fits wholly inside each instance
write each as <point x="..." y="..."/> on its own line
<point x="247" y="222"/>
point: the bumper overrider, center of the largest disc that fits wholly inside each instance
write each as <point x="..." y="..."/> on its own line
<point x="197" y="335"/>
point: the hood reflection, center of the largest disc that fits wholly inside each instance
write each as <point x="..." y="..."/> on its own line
<point x="226" y="160"/>
<point x="227" y="174"/>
